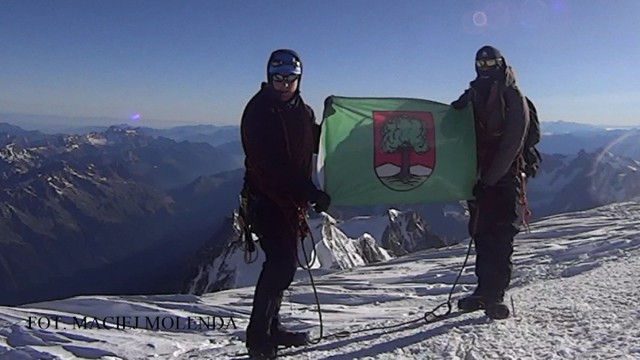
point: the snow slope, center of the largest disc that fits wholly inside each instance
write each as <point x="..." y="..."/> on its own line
<point x="575" y="294"/>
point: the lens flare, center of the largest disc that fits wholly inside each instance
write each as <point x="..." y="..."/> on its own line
<point x="600" y="166"/>
<point x="479" y="18"/>
<point x="136" y="117"/>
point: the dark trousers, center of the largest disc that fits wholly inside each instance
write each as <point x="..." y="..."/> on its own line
<point x="493" y="224"/>
<point x="277" y="232"/>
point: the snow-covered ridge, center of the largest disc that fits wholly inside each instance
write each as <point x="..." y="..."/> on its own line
<point x="23" y="156"/>
<point x="96" y="139"/>
<point x="10" y="153"/>
<point x="18" y="159"/>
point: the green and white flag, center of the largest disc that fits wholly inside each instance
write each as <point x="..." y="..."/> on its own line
<point x="387" y="151"/>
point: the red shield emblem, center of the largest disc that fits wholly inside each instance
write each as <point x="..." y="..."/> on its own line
<point x="405" y="148"/>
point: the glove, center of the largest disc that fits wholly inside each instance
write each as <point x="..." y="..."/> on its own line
<point x="479" y="188"/>
<point x="458" y="104"/>
<point x="322" y="202"/>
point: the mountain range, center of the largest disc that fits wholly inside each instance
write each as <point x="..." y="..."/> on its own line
<point x="91" y="210"/>
<point x="80" y="213"/>
<point x="568" y="183"/>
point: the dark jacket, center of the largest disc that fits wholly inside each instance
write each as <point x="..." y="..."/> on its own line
<point x="501" y="120"/>
<point x="279" y="140"/>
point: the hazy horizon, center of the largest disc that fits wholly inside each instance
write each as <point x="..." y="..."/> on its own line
<point x="58" y="122"/>
<point x="29" y="121"/>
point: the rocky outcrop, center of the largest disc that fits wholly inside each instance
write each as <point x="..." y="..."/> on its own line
<point x="332" y="244"/>
<point x="408" y="232"/>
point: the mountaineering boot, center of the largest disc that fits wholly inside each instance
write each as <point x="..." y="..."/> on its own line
<point x="281" y="336"/>
<point x="262" y="349"/>
<point x="289" y="338"/>
<point x="261" y="346"/>
<point x="496" y="310"/>
<point x="470" y="303"/>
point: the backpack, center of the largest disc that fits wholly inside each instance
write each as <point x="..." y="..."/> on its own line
<point x="530" y="153"/>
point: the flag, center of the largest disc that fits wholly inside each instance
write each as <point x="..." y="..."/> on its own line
<point x="391" y="151"/>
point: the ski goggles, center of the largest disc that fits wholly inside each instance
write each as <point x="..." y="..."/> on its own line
<point x="280" y="62"/>
<point x="285" y="78"/>
<point x="488" y="62"/>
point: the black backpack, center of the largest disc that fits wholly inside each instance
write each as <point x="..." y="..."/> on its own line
<point x="530" y="153"/>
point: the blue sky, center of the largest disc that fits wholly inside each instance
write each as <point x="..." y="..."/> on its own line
<point x="188" y="61"/>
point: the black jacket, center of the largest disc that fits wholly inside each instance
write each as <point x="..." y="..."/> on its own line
<point x="279" y="140"/>
<point x="502" y="119"/>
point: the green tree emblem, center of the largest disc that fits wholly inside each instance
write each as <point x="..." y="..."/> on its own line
<point x="403" y="135"/>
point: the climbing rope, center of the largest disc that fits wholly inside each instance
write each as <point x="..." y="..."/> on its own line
<point x="428" y="317"/>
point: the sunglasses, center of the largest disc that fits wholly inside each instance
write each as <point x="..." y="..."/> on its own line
<point x="285" y="78"/>
<point x="488" y="62"/>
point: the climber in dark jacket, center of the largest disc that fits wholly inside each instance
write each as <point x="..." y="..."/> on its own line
<point x="279" y="137"/>
<point x="501" y="121"/>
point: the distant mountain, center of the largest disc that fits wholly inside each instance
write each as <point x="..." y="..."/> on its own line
<point x="55" y="124"/>
<point x="12" y="129"/>
<point x="210" y="134"/>
<point x="224" y="138"/>
<point x="566" y="127"/>
<point x="622" y="142"/>
<point x="59" y="218"/>
<point x="75" y="209"/>
<point x="9" y="132"/>
<point x="568" y="183"/>
<point x="159" y="162"/>
<point x="233" y="148"/>
<point x="214" y="135"/>
<point x="79" y="125"/>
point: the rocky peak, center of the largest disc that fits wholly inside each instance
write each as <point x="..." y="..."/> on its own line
<point x="371" y="239"/>
<point x="408" y="232"/>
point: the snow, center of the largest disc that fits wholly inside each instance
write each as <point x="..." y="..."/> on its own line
<point x="334" y="249"/>
<point x="10" y="153"/>
<point x="59" y="184"/>
<point x="96" y="139"/>
<point x="574" y="295"/>
<point x="73" y="172"/>
<point x="327" y="247"/>
<point x="71" y="147"/>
